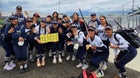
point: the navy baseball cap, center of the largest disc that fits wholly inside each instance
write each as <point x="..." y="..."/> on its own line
<point x="73" y="26"/>
<point x="108" y="27"/>
<point x="19" y="7"/>
<point x="54" y="22"/>
<point x="43" y="20"/>
<point x="93" y="14"/>
<point x="29" y="20"/>
<point x="36" y="14"/>
<point x="13" y="17"/>
<point x="91" y="29"/>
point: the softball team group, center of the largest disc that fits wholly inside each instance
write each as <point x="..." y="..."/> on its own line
<point x="20" y="36"/>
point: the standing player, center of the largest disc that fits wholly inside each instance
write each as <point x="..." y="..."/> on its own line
<point x="40" y="55"/>
<point x="21" y="18"/>
<point x="57" y="47"/>
<point x="94" y="21"/>
<point x="69" y="43"/>
<point x="104" y="38"/>
<point x="35" y="23"/>
<point x="78" y="22"/>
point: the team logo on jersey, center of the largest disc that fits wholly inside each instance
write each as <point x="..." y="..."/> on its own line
<point x="20" y="19"/>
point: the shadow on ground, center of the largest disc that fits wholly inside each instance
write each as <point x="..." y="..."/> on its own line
<point x="64" y="70"/>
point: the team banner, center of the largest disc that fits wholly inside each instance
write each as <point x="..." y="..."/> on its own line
<point x="49" y="38"/>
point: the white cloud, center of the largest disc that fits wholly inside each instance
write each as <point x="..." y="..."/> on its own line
<point x="48" y="6"/>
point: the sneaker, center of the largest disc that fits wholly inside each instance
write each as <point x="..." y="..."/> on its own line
<point x="60" y="59"/>
<point x="104" y="66"/>
<point x="12" y="64"/>
<point x="73" y="58"/>
<point x="7" y="67"/>
<point x="54" y="59"/>
<point x="50" y="53"/>
<point x="38" y="64"/>
<point x="68" y="58"/>
<point x="100" y="73"/>
<point x="79" y="65"/>
<point x="85" y="66"/>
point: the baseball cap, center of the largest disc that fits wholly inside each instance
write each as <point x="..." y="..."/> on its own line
<point x="43" y="20"/>
<point x="36" y="14"/>
<point x="19" y="7"/>
<point x="91" y="29"/>
<point x="73" y="26"/>
<point x="54" y="22"/>
<point x="108" y="27"/>
<point x="93" y="14"/>
<point x="29" y="20"/>
<point x="13" y="17"/>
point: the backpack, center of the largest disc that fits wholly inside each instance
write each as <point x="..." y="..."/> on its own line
<point x="87" y="74"/>
<point x="2" y="30"/>
<point x="129" y="35"/>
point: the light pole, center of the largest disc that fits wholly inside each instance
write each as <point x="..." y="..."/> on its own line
<point x="122" y="9"/>
<point x="0" y="9"/>
<point x="59" y="6"/>
<point x="133" y="5"/>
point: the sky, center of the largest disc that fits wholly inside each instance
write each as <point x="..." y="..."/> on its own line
<point x="68" y="6"/>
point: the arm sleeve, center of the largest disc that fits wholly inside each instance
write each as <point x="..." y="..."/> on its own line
<point x="122" y="42"/>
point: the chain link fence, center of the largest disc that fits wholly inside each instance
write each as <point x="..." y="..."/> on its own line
<point x="124" y="20"/>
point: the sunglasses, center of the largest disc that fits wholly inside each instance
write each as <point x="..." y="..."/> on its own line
<point x="13" y="19"/>
<point x="43" y="22"/>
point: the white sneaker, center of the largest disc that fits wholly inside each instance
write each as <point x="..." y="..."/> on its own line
<point x="13" y="65"/>
<point x="50" y="53"/>
<point x="104" y="66"/>
<point x="79" y="65"/>
<point x="60" y="59"/>
<point x="85" y="66"/>
<point x="7" y="67"/>
<point x="68" y="58"/>
<point x="100" y="73"/>
<point x="73" y="58"/>
<point x="54" y="59"/>
<point x="96" y="71"/>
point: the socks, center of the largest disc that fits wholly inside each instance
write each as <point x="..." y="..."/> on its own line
<point x="21" y="66"/>
<point x="25" y="66"/>
<point x="43" y="58"/>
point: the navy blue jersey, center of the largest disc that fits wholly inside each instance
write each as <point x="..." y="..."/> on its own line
<point x="19" y="31"/>
<point x="61" y="35"/>
<point x="80" y="25"/>
<point x="69" y="31"/>
<point x="94" y="23"/>
<point x="6" y="36"/>
<point x="21" y="19"/>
